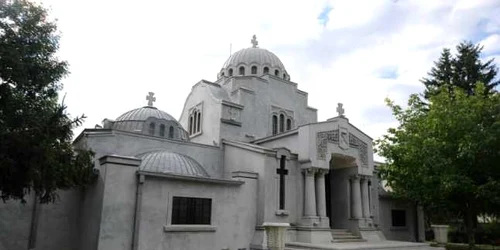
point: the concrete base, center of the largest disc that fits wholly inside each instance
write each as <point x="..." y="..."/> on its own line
<point x="383" y="245"/>
<point x="373" y="235"/>
<point x="310" y="221"/>
<point x="314" y="235"/>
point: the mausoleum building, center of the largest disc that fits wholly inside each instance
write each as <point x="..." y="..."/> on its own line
<point x="247" y="151"/>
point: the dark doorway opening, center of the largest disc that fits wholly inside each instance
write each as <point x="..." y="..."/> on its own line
<point x="328" y="198"/>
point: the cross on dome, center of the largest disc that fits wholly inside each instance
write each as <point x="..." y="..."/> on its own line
<point x="254" y="41"/>
<point x="150" y="98"/>
<point x="340" y="109"/>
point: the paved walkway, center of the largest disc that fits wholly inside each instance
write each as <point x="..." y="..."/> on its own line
<point x="380" y="245"/>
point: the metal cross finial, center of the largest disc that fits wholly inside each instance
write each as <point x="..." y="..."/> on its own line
<point x="340" y="109"/>
<point x="254" y="41"/>
<point x="150" y="98"/>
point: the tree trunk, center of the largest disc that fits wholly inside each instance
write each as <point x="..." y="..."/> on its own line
<point x="469" y="220"/>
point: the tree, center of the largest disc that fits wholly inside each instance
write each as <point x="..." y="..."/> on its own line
<point x="444" y="155"/>
<point x="36" y="153"/>
<point x="463" y="70"/>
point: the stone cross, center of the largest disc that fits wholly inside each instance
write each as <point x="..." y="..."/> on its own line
<point x="282" y="171"/>
<point x="340" y="109"/>
<point x="150" y="98"/>
<point x="254" y="41"/>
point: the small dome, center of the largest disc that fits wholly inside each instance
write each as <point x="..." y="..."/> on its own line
<point x="140" y="120"/>
<point x="171" y="163"/>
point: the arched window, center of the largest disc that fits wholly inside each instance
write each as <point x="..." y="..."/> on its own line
<point x="198" y="122"/>
<point x="284" y="76"/>
<point x="190" y="126"/>
<point x="276" y="72"/>
<point x="266" y="70"/>
<point x="288" y="124"/>
<point x="162" y="130"/>
<point x="254" y="70"/>
<point x="230" y="72"/>
<point x="282" y="123"/>
<point x="171" y="132"/>
<point x="242" y="71"/>
<point x="152" y="128"/>
<point x="275" y="124"/>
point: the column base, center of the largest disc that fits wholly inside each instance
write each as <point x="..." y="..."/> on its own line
<point x="324" y="222"/>
<point x="314" y="235"/>
<point x="309" y="221"/>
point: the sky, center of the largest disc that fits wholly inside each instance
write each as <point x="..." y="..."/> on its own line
<point x="353" y="52"/>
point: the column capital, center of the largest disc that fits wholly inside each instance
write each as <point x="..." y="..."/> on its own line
<point x="309" y="171"/>
<point x="355" y="177"/>
<point x="322" y="171"/>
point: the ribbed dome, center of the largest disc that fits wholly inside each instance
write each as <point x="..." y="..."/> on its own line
<point x="134" y="120"/>
<point x="258" y="56"/>
<point x="142" y="114"/>
<point x="172" y="163"/>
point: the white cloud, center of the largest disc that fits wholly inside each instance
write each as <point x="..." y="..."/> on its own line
<point x="120" y="50"/>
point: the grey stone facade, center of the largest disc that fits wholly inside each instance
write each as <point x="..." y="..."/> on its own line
<point x="231" y="139"/>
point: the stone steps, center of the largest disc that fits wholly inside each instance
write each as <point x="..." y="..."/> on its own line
<point x="344" y="235"/>
<point x="382" y="245"/>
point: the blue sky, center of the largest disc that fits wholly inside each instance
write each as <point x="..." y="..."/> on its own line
<point x="352" y="51"/>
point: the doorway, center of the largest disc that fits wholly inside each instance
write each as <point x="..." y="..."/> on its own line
<point x="328" y="198"/>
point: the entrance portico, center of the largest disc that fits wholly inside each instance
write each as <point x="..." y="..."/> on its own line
<point x="343" y="154"/>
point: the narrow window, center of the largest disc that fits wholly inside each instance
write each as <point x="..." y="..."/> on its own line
<point x="242" y="71"/>
<point x="254" y="70"/>
<point x="284" y="76"/>
<point x="171" y="132"/>
<point x="222" y="74"/>
<point x="230" y="72"/>
<point x="191" y="211"/>
<point x="152" y="128"/>
<point x="282" y="171"/>
<point x="398" y="218"/>
<point x="275" y="124"/>
<point x="288" y="124"/>
<point x="190" y="126"/>
<point x="162" y="130"/>
<point x="282" y="123"/>
<point x="276" y="72"/>
<point x="266" y="70"/>
<point x="198" y="122"/>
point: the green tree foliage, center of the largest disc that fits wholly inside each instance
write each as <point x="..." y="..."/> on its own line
<point x="445" y="155"/>
<point x="36" y="153"/>
<point x="463" y="70"/>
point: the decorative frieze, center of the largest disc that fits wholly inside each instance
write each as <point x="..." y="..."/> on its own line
<point x="332" y="136"/>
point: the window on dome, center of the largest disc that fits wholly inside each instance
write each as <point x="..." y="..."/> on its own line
<point x="266" y="70"/>
<point x="242" y="71"/>
<point x="276" y="72"/>
<point x="230" y="72"/>
<point x="282" y="123"/>
<point x="152" y="128"/>
<point x="171" y="132"/>
<point x="254" y="70"/>
<point x="162" y="130"/>
<point x="288" y="124"/>
<point x="275" y="124"/>
<point x="284" y="76"/>
<point x="222" y="74"/>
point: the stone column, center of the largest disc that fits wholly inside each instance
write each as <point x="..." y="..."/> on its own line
<point x="365" y="199"/>
<point x="309" y="194"/>
<point x="320" y="193"/>
<point x="356" y="197"/>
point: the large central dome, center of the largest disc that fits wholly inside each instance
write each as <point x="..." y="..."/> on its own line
<point x="253" y="61"/>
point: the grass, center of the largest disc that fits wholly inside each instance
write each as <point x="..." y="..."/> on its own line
<point x="461" y="246"/>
